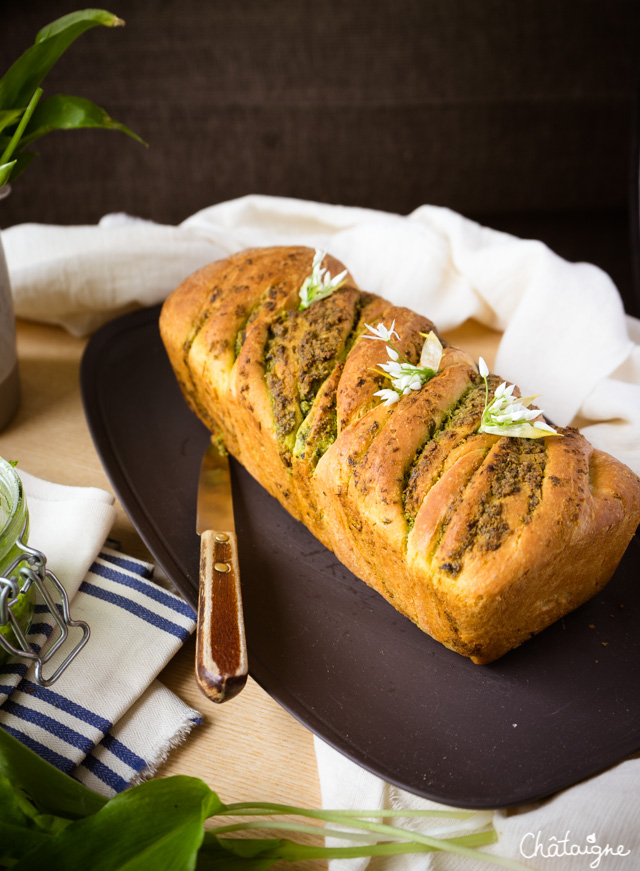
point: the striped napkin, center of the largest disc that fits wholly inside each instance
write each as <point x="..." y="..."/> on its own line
<point x="107" y="720"/>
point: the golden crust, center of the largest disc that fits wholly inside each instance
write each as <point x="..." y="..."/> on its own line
<point x="482" y="541"/>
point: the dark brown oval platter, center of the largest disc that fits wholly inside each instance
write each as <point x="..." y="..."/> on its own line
<point x="331" y="651"/>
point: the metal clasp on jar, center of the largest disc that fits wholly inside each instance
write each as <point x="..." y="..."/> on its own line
<point x="30" y="570"/>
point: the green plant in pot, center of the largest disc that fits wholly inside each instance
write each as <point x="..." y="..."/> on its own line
<point x="26" y="115"/>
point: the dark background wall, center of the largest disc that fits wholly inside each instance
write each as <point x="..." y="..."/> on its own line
<point x="519" y="113"/>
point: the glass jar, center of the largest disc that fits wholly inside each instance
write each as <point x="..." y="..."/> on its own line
<point x="23" y="576"/>
<point x="15" y="595"/>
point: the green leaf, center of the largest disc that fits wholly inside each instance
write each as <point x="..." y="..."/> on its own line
<point x="63" y="112"/>
<point x="255" y="854"/>
<point x="157" y="826"/>
<point x="9" y="117"/>
<point x="16" y="809"/>
<point x="17" y="841"/>
<point x="21" y="162"/>
<point x="227" y="854"/>
<point x="51" y="791"/>
<point x="27" y="72"/>
<point x="21" y="826"/>
<point x="17" y="133"/>
<point x="5" y="171"/>
<point x="99" y="16"/>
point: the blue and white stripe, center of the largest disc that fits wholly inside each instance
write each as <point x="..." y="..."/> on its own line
<point x="141" y="598"/>
<point x="106" y="720"/>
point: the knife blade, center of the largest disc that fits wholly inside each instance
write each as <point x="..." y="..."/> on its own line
<point x="221" y="649"/>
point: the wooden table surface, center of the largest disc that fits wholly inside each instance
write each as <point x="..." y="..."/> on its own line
<point x="249" y="748"/>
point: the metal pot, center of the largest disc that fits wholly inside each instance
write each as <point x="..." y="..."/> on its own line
<point x="9" y="379"/>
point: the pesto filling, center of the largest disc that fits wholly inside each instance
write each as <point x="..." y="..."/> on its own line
<point x="301" y="352"/>
<point x="464" y="415"/>
<point x="516" y="463"/>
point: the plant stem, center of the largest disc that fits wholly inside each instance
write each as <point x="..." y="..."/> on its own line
<point x="321" y="831"/>
<point x="449" y="846"/>
<point x="486" y="401"/>
<point x="399" y="353"/>
<point x="15" y="139"/>
<point x="247" y="808"/>
<point x="311" y="851"/>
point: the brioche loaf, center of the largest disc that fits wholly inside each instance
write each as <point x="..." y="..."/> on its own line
<point x="481" y="540"/>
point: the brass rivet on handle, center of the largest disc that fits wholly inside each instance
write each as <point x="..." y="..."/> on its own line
<point x="222" y="567"/>
<point x="220" y="536"/>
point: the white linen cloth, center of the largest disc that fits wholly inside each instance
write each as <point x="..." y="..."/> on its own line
<point x="598" y="813"/>
<point x="106" y="720"/>
<point x="565" y="336"/>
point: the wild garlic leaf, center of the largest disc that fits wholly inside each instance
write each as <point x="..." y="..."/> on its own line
<point x="17" y="841"/>
<point x="78" y="19"/>
<point x="22" y="827"/>
<point x="223" y="854"/>
<point x="240" y="854"/>
<point x="16" y="135"/>
<point x="21" y="162"/>
<point x="48" y="789"/>
<point x="20" y="91"/>
<point x="5" y="171"/>
<point x="157" y="825"/>
<point x="10" y="116"/>
<point x="62" y="112"/>
<point x="17" y="809"/>
<point x="27" y="72"/>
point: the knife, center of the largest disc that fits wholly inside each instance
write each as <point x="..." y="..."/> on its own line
<point x="221" y="648"/>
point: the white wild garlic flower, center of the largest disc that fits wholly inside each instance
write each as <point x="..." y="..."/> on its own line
<point x="319" y="284"/>
<point x="507" y="415"/>
<point x="405" y="376"/>
<point x="381" y="333"/>
<point x="387" y="396"/>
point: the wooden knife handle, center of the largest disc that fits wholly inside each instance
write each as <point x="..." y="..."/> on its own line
<point x="221" y="648"/>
